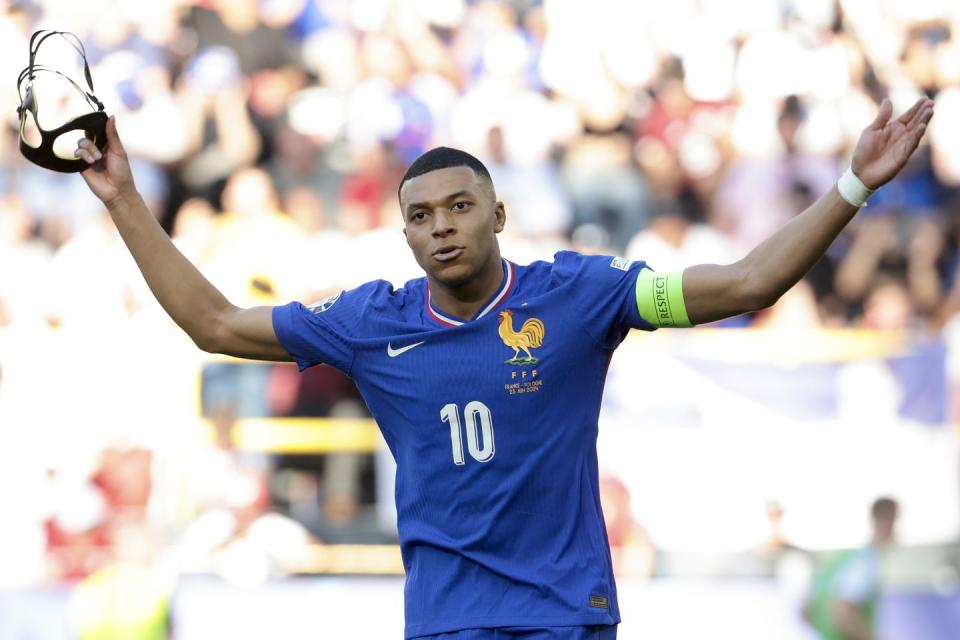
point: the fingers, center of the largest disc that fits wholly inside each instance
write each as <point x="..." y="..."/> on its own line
<point x="113" y="138"/>
<point x="907" y="116"/>
<point x="917" y="115"/>
<point x="924" y="114"/>
<point x="87" y="150"/>
<point x="918" y="129"/>
<point x="917" y="125"/>
<point x="883" y="114"/>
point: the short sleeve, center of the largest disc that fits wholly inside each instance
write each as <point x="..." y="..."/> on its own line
<point x="326" y="331"/>
<point x="603" y="294"/>
<point x="858" y="579"/>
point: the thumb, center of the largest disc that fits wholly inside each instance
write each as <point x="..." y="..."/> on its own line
<point x="113" y="138"/>
<point x="883" y="114"/>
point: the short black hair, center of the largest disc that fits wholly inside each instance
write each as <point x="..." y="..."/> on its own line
<point x="883" y="507"/>
<point x="444" y="158"/>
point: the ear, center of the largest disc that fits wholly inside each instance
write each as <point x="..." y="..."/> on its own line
<point x="500" y="212"/>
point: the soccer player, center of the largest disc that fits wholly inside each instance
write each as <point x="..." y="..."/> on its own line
<point x="486" y="376"/>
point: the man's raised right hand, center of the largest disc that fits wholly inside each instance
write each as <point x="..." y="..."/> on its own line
<point x="109" y="175"/>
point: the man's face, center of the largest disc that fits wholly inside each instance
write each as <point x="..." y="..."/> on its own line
<point x="451" y="219"/>
<point x="884" y="525"/>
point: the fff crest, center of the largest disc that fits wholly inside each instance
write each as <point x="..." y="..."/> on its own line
<point x="530" y="336"/>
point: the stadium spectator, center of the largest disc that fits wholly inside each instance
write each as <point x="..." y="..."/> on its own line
<point x="846" y="589"/>
<point x="676" y="238"/>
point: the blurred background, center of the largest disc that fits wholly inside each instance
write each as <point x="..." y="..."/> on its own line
<point x="149" y="490"/>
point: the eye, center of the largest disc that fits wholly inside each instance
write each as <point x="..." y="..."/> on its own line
<point x="462" y="205"/>
<point x="418" y="215"/>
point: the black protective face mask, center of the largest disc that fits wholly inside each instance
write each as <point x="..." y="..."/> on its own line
<point x="93" y="124"/>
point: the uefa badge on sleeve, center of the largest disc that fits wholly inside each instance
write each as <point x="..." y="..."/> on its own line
<point x="621" y="263"/>
<point x="326" y="303"/>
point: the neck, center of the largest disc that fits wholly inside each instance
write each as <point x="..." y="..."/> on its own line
<point x="881" y="541"/>
<point x="463" y="301"/>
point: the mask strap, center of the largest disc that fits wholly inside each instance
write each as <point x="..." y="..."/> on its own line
<point x="74" y="42"/>
<point x="91" y="99"/>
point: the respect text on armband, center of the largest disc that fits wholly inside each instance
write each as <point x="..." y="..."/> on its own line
<point x="661" y="301"/>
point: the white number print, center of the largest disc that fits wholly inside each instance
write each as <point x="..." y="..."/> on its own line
<point x="475" y="414"/>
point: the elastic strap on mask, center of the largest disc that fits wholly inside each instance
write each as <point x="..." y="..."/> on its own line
<point x="31" y="104"/>
<point x="75" y="43"/>
<point x="29" y="72"/>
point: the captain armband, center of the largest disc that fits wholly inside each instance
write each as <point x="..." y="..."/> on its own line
<point x="660" y="299"/>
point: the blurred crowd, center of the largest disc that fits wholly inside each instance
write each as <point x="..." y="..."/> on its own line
<point x="269" y="137"/>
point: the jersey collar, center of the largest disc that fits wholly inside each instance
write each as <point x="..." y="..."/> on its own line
<point x="502" y="293"/>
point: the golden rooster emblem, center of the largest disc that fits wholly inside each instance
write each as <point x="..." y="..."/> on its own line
<point x="529" y="337"/>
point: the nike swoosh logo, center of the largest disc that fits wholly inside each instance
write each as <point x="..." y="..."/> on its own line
<point x="393" y="353"/>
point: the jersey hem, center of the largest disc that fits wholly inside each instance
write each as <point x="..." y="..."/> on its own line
<point x="412" y="631"/>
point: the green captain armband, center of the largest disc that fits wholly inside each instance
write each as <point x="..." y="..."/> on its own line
<point x="660" y="299"/>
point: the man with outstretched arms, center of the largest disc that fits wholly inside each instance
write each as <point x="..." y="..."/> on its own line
<point x="486" y="376"/>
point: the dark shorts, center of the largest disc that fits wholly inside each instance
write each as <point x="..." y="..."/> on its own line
<point x="593" y="632"/>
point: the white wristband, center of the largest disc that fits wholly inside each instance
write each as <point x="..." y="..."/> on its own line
<point x="852" y="189"/>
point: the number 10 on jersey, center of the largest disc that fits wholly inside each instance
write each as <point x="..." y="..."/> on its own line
<point x="479" y="427"/>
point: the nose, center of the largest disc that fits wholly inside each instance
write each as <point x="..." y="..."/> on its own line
<point x="443" y="223"/>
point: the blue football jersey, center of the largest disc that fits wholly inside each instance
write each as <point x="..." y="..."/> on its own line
<point x="492" y="421"/>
